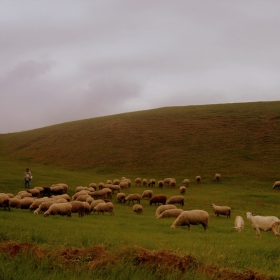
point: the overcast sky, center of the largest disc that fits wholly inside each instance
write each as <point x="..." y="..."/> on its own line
<point x="65" y="60"/>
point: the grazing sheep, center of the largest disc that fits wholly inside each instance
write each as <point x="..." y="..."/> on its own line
<point x="172" y="183"/>
<point x="86" y="208"/>
<point x="104" y="207"/>
<point x="166" y="181"/>
<point x="198" y="179"/>
<point x="62" y="209"/>
<point x="89" y="200"/>
<point x="114" y="188"/>
<point x="36" y="203"/>
<point x="176" y="199"/>
<point x="26" y="202"/>
<point x="77" y="194"/>
<point x="133" y="197"/>
<point x="101" y="185"/>
<point x="217" y="177"/>
<point x="144" y="182"/>
<point x="158" y="199"/>
<point x="44" y="206"/>
<point x="160" y="184"/>
<point x="109" y="182"/>
<point x="83" y="197"/>
<point x="24" y="194"/>
<point x="4" y="201"/>
<point x="182" y="189"/>
<point x="65" y="196"/>
<point x="121" y="197"/>
<point x="137" y="208"/>
<point x="80" y="188"/>
<point x="94" y="203"/>
<point x="152" y="182"/>
<point x="221" y="210"/>
<point x="147" y="194"/>
<point x="116" y="181"/>
<point x="186" y="182"/>
<point x="276" y="185"/>
<point x="15" y="202"/>
<point x="57" y="189"/>
<point x="192" y="217"/>
<point x="239" y="223"/>
<point x="124" y="184"/>
<point x="162" y="208"/>
<point x="93" y="185"/>
<point x="264" y="223"/>
<point x="78" y="207"/>
<point x="138" y="182"/>
<point x="170" y="213"/>
<point x="34" y="192"/>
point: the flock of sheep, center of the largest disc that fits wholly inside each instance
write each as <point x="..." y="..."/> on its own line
<point x="97" y="198"/>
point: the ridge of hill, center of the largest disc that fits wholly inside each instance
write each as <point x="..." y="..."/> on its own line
<point x="240" y="139"/>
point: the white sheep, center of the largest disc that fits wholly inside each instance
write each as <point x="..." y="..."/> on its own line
<point x="133" y="197"/>
<point x="59" y="209"/>
<point x="198" y="179"/>
<point x="170" y="213"/>
<point x="176" y="199"/>
<point x="44" y="206"/>
<point x="264" y="223"/>
<point x="186" y="182"/>
<point x="276" y="185"/>
<point x="221" y="210"/>
<point x="182" y="189"/>
<point x="121" y="197"/>
<point x="152" y="183"/>
<point x="144" y="182"/>
<point x="147" y="194"/>
<point x="78" y="207"/>
<point x="192" y="217"/>
<point x="162" y="208"/>
<point x="138" y="182"/>
<point x="172" y="183"/>
<point x="160" y="184"/>
<point x="137" y="208"/>
<point x="5" y="201"/>
<point x="217" y="177"/>
<point x="94" y="203"/>
<point x="239" y="223"/>
<point x="104" y="207"/>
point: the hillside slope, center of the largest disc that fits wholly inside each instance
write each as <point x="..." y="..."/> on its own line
<point x="235" y="139"/>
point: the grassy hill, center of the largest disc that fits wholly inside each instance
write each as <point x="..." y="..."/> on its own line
<point x="232" y="139"/>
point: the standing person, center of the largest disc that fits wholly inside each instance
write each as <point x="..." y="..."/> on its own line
<point x="27" y="178"/>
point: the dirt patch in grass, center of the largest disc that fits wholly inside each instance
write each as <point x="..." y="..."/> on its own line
<point x="97" y="257"/>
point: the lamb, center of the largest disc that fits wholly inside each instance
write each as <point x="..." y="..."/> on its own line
<point x="121" y="197"/>
<point x="182" y="189"/>
<point x="239" y="223"/>
<point x="158" y="199"/>
<point x="177" y="199"/>
<point x="217" y="177"/>
<point x="170" y="213"/>
<point x="138" y="182"/>
<point x="78" y="207"/>
<point x="104" y="207"/>
<point x="198" y="179"/>
<point x="137" y="208"/>
<point x="147" y="194"/>
<point x="162" y="208"/>
<point x="186" y="182"/>
<point x="264" y="223"/>
<point x="133" y="197"/>
<point x="59" y="209"/>
<point x="4" y="201"/>
<point x="221" y="210"/>
<point x="276" y="185"/>
<point x="192" y="217"/>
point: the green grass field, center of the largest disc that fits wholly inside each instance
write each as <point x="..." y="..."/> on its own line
<point x="239" y="141"/>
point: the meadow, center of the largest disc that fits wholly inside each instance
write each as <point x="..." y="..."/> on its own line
<point x="240" y="141"/>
